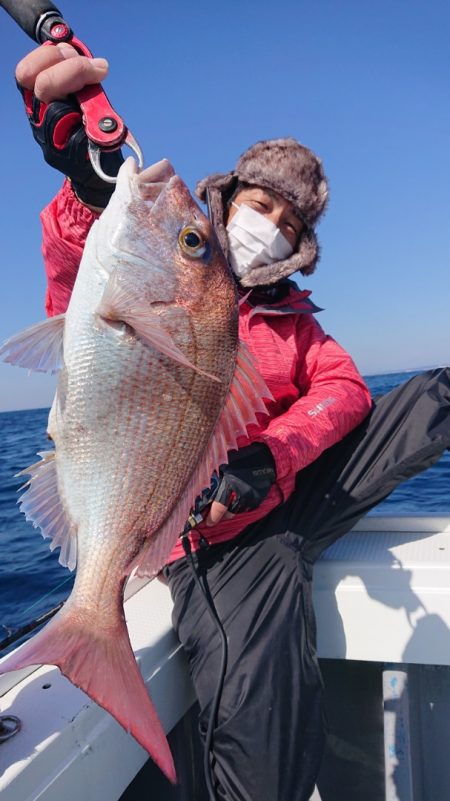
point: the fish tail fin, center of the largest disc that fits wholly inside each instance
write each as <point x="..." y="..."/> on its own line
<point x="103" y="665"/>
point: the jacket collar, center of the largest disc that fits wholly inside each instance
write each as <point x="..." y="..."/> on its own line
<point x="280" y="299"/>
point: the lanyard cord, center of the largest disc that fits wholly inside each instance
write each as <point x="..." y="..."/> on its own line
<point x="208" y="753"/>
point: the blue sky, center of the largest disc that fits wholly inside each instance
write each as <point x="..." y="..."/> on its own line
<point x="365" y="85"/>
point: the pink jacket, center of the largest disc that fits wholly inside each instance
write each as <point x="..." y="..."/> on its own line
<point x="319" y="395"/>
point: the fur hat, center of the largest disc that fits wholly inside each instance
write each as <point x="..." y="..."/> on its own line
<point x="295" y="173"/>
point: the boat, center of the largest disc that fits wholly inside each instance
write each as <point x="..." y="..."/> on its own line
<point x="382" y="601"/>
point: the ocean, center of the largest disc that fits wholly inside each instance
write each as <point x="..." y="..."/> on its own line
<point x="31" y="578"/>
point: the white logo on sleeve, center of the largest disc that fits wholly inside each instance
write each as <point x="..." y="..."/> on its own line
<point x="319" y="407"/>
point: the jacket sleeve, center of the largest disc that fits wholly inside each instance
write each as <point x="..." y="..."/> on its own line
<point x="334" y="400"/>
<point x="65" y="226"/>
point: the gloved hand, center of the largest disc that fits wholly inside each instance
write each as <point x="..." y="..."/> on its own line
<point x="244" y="482"/>
<point x="45" y="79"/>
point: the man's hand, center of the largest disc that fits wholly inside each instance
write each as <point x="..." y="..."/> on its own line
<point x="245" y="482"/>
<point x="46" y="78"/>
<point x="52" y="73"/>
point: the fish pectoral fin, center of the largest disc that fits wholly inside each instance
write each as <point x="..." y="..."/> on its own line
<point x="244" y="402"/>
<point x="122" y="303"/>
<point x="39" y="348"/>
<point x="41" y="503"/>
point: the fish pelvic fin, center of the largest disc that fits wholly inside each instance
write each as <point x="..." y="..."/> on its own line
<point x="39" y="347"/>
<point x="244" y="402"/>
<point x="100" y="662"/>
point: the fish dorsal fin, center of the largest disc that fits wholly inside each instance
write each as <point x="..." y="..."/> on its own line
<point x="41" y="504"/>
<point x="124" y="304"/>
<point x="244" y="401"/>
<point x="39" y="347"/>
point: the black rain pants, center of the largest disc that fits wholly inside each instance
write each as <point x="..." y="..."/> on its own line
<point x="269" y="734"/>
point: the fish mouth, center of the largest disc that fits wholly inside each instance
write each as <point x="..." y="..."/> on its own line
<point x="157" y="182"/>
<point x="152" y="181"/>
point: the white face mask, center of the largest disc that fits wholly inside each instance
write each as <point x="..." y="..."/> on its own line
<point x="254" y="240"/>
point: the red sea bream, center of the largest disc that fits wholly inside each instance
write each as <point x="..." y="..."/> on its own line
<point x="153" y="389"/>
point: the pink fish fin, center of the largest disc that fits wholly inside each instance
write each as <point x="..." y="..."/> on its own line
<point x="125" y="304"/>
<point x="244" y="401"/>
<point x="100" y="661"/>
<point x="41" y="504"/>
<point x="39" y="348"/>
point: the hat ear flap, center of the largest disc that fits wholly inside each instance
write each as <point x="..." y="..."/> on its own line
<point x="215" y="190"/>
<point x="223" y="181"/>
<point x="308" y="252"/>
<point x="216" y="211"/>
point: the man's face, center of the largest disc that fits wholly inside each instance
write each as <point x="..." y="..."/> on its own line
<point x="271" y="205"/>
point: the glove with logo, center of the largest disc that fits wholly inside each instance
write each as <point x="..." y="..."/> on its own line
<point x="247" y="478"/>
<point x="57" y="128"/>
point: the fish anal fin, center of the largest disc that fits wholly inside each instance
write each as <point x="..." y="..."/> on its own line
<point x="105" y="668"/>
<point x="38" y="348"/>
<point x="42" y="505"/>
<point x="244" y="402"/>
<point x="123" y="303"/>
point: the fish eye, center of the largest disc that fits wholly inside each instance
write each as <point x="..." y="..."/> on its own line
<point x="192" y="242"/>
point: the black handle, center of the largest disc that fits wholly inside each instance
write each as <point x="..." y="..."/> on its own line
<point x="37" y="18"/>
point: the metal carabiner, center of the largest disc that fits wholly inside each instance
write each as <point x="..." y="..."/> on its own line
<point x="95" y="152"/>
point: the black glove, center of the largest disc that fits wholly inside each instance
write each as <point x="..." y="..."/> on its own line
<point x="247" y="478"/>
<point x="58" y="129"/>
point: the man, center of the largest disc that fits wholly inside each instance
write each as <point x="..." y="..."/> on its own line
<point x="299" y="480"/>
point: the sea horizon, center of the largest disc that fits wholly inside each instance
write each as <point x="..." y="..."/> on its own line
<point x="420" y="369"/>
<point x="402" y="371"/>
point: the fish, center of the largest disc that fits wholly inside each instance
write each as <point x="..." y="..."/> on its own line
<point x="153" y="390"/>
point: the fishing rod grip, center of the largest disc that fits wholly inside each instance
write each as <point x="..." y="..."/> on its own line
<point x="37" y="18"/>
